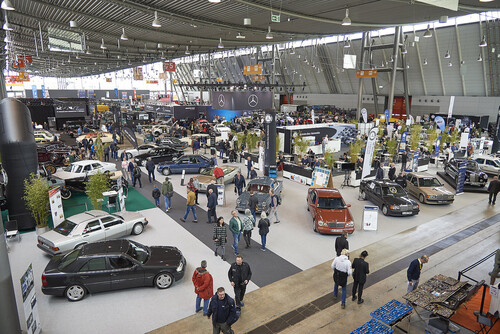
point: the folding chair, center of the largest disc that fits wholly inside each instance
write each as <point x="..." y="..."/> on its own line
<point x="11" y="230"/>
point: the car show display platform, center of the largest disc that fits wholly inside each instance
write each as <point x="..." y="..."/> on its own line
<point x="469" y="189"/>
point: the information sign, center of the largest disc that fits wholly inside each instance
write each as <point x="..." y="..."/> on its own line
<point x="168" y="66"/>
<point x="322" y="177"/>
<point x="30" y="304"/>
<point x="366" y="74"/>
<point x="56" y="207"/>
<point x="221" y="195"/>
<point x="370" y="218"/>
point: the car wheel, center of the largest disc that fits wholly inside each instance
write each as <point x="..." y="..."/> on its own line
<point x="362" y="195"/>
<point x="385" y="211"/>
<point x="165" y="171"/>
<point x="164" y="280"/>
<point x="137" y="229"/>
<point x="143" y="163"/>
<point x="50" y="168"/>
<point x="75" y="292"/>
<point x="421" y="198"/>
<point x="65" y="193"/>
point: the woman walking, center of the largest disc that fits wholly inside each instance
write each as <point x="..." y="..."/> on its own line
<point x="220" y="237"/>
<point x="248" y="225"/>
<point x="125" y="169"/>
<point x="263" y="229"/>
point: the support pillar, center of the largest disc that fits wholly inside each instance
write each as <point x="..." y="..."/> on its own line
<point x="361" y="67"/>
<point x="395" y="56"/>
<point x="270" y="142"/>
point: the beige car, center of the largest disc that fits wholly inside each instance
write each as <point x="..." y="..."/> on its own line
<point x="428" y="189"/>
<point x="207" y="175"/>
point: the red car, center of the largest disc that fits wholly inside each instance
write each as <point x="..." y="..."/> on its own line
<point x="329" y="212"/>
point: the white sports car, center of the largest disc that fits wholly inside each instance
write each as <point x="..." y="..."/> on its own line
<point x="83" y="168"/>
<point x="90" y="226"/>
<point x="141" y="149"/>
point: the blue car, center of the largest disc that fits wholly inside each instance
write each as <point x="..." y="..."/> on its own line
<point x="192" y="164"/>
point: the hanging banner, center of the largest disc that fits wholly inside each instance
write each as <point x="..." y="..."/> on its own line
<point x="464" y="139"/>
<point x="168" y="66"/>
<point x="440" y="122"/>
<point x="34" y="91"/>
<point x="366" y="74"/>
<point x="252" y="69"/>
<point x="370" y="148"/>
<point x="364" y="113"/>
<point x="219" y="79"/>
<point x="416" y="155"/>
<point x="124" y="95"/>
<point x="56" y="207"/>
<point x="30" y="304"/>
<point x="402" y="145"/>
<point x="137" y="73"/>
<point x="450" y="108"/>
<point x="438" y="144"/>
<point x="244" y="100"/>
<point x="44" y="92"/>
<point x="386" y="117"/>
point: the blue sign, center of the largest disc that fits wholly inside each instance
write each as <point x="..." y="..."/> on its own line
<point x="81" y="93"/>
<point x="116" y="92"/>
<point x="91" y="93"/>
<point x="44" y="92"/>
<point x="402" y="145"/>
<point x="416" y="155"/>
<point x="462" y="167"/>
<point x="386" y="116"/>
<point x="34" y="91"/>
<point x="440" y="122"/>
<point x="438" y="144"/>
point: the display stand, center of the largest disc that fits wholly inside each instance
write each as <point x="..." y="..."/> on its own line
<point x="112" y="196"/>
<point x="370" y="218"/>
<point x="322" y="178"/>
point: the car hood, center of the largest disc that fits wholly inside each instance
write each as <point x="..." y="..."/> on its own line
<point x="436" y="191"/>
<point x="261" y="197"/>
<point x="327" y="215"/>
<point x="398" y="200"/>
<point x="164" y="256"/>
<point x="63" y="175"/>
<point x="205" y="179"/>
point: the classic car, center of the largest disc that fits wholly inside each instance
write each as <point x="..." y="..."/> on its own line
<point x="90" y="226"/>
<point x="473" y="174"/>
<point x="55" y="153"/>
<point x="83" y="168"/>
<point x="488" y="164"/>
<point x="219" y="128"/>
<point x="158" y="130"/>
<point x="428" y="189"/>
<point x="158" y="155"/>
<point x="260" y="186"/>
<point x="141" y="149"/>
<point x="207" y="175"/>
<point x="173" y="142"/>
<point x="388" y="196"/>
<point x="45" y="135"/>
<point x="191" y="163"/>
<point x="78" y="185"/>
<point x="329" y="212"/>
<point x="105" y="137"/>
<point x="112" y="265"/>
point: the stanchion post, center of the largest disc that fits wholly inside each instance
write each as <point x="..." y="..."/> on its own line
<point x="183" y="176"/>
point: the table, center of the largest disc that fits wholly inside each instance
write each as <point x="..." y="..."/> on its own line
<point x="373" y="326"/>
<point x="392" y="313"/>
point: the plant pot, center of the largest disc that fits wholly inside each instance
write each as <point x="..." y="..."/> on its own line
<point x="42" y="230"/>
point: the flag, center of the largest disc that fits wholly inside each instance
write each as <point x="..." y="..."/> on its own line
<point x="370" y="147"/>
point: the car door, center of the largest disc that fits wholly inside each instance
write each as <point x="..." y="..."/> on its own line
<point x="94" y="275"/>
<point x="93" y="231"/>
<point x="412" y="186"/>
<point x="125" y="273"/>
<point x="183" y="163"/>
<point x="490" y="167"/>
<point x="377" y="196"/>
<point x="369" y="189"/>
<point x="113" y="227"/>
<point x="313" y="196"/>
<point x="87" y="169"/>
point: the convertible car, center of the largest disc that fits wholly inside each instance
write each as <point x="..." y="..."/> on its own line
<point x="473" y="174"/>
<point x="329" y="212"/>
<point x="388" y="196"/>
<point x="260" y="186"/>
<point x="428" y="189"/>
<point x="207" y="175"/>
<point x="112" y="265"/>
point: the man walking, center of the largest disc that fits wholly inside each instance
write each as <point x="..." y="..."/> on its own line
<point x="361" y="269"/>
<point x="249" y="166"/>
<point x="131" y="169"/>
<point x="167" y="190"/>
<point x="137" y="175"/>
<point x="203" y="287"/>
<point x="274" y="206"/>
<point x="253" y="173"/>
<point x="413" y="272"/>
<point x="235" y="226"/>
<point x="239" y="275"/>
<point x="150" y="167"/>
<point x="253" y="203"/>
<point x="224" y="312"/>
<point x="392" y="172"/>
<point x="493" y="189"/>
<point x="196" y="185"/>
<point x="380" y="172"/>
<point x="239" y="183"/>
<point x="156" y="195"/>
<point x="212" y="204"/>
<point x="404" y="158"/>
<point x="341" y="243"/>
<point x="190" y="206"/>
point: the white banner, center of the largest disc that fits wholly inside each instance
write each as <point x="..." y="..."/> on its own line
<point x="221" y="194"/>
<point x="56" y="207"/>
<point x="30" y="304"/>
<point x="450" y="108"/>
<point x="121" y="197"/>
<point x="464" y="140"/>
<point x="364" y="113"/>
<point x="370" y="147"/>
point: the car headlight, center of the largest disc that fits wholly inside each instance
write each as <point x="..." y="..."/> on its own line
<point x="349" y="224"/>
<point x="320" y="223"/>
<point x="432" y="196"/>
<point x="415" y="207"/>
<point x="394" y="207"/>
<point x="180" y="266"/>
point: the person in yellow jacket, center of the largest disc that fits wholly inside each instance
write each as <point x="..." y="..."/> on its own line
<point x="191" y="198"/>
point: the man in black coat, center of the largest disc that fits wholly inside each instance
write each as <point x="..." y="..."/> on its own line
<point x="212" y="204"/>
<point x="392" y="172"/>
<point x="413" y="272"/>
<point x="253" y="203"/>
<point x="493" y="189"/>
<point x="239" y="183"/>
<point x="401" y="179"/>
<point x="211" y="186"/>
<point x="224" y="312"/>
<point x="239" y="275"/>
<point x="404" y="158"/>
<point x="150" y="167"/>
<point x="380" y="172"/>
<point x="341" y="243"/>
<point x="361" y="269"/>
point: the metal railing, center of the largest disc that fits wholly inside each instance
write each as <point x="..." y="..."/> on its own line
<point x="472" y="266"/>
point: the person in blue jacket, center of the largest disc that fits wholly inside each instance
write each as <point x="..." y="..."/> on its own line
<point x="223" y="312"/>
<point x="413" y="272"/>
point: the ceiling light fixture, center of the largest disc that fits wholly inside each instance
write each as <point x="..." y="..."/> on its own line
<point x="240" y="36"/>
<point x="187" y="50"/>
<point x="269" y="34"/>
<point x="346" y="21"/>
<point x="214" y="1"/>
<point x="6" y="25"/>
<point x="74" y="24"/>
<point x="425" y="61"/>
<point x="428" y="32"/>
<point x="483" y="43"/>
<point x="124" y="36"/>
<point x="485" y="0"/>
<point x="480" y="58"/>
<point x="450" y="64"/>
<point x="156" y="22"/>
<point x="220" y="46"/>
<point x="7" y="39"/>
<point x="163" y="56"/>
<point x="102" y="45"/>
<point x="247" y="21"/>
<point x="347" y="43"/>
<point x="6" y="5"/>
<point x="447" y="54"/>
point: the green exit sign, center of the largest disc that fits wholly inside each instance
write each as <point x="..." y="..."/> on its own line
<point x="275" y="18"/>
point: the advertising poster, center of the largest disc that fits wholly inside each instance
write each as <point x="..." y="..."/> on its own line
<point x="462" y="167"/>
<point x="370" y="218"/>
<point x="56" y="207"/>
<point x="221" y="199"/>
<point x="402" y="145"/>
<point x="321" y="177"/>
<point x="438" y="144"/>
<point x="416" y="155"/>
<point x="121" y="196"/>
<point x="364" y="113"/>
<point x="30" y="305"/>
<point x="386" y="117"/>
<point x="44" y="92"/>
<point x="370" y="147"/>
<point x="34" y="91"/>
<point x="464" y="140"/>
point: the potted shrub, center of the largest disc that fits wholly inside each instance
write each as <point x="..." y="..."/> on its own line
<point x="36" y="196"/>
<point x="96" y="185"/>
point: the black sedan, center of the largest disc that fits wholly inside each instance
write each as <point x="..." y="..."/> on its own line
<point x="473" y="174"/>
<point x="174" y="142"/>
<point x="388" y="196"/>
<point x="159" y="154"/>
<point x="112" y="265"/>
<point x="260" y="186"/>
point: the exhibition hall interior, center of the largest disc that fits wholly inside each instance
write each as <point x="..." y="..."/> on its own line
<point x="250" y="166"/>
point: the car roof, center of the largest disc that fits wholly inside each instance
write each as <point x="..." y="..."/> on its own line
<point x="84" y="216"/>
<point x="261" y="180"/>
<point x="105" y="247"/>
<point x="484" y="157"/>
<point x="384" y="182"/>
<point x="328" y="192"/>
<point x="421" y="174"/>
<point x="85" y="162"/>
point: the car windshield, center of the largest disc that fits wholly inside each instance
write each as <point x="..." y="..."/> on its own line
<point x="333" y="203"/>
<point x="261" y="188"/>
<point x="472" y="165"/>
<point x="393" y="190"/>
<point x="429" y="182"/>
<point x="208" y="172"/>
<point x="69" y="259"/>
<point x="65" y="227"/>
<point x="497" y="162"/>
<point x="138" y="251"/>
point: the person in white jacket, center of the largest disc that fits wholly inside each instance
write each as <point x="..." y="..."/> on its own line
<point x="342" y="268"/>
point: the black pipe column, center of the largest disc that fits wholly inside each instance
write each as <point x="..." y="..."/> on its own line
<point x="270" y="142"/>
<point x="496" y="136"/>
<point x="19" y="157"/>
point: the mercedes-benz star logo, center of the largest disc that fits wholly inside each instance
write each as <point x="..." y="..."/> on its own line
<point x="253" y="100"/>
<point x="222" y="100"/>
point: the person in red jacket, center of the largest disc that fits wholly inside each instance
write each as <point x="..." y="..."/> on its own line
<point x="219" y="175"/>
<point x="203" y="287"/>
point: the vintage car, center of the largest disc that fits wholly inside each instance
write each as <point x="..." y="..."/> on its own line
<point x="388" y="196"/>
<point x="141" y="149"/>
<point x="173" y="142"/>
<point x="90" y="226"/>
<point x="219" y="128"/>
<point x="158" y="155"/>
<point x="191" y="163"/>
<point x="428" y="189"/>
<point x="44" y="136"/>
<point x="207" y="175"/>
<point x="105" y="137"/>
<point x="78" y="185"/>
<point x="473" y="174"/>
<point x="55" y="152"/>
<point x="488" y="164"/>
<point x="83" y="168"/>
<point x="112" y="265"/>
<point x="160" y="129"/>
<point x="329" y="212"/>
<point x="260" y="186"/>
